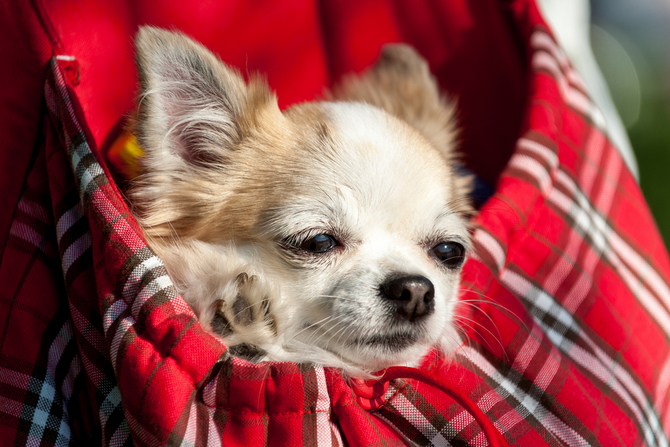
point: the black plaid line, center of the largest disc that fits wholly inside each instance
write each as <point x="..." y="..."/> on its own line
<point x="130" y="267"/>
<point x="44" y="415"/>
<point x="405" y="427"/>
<point x="570" y="337"/>
<point x="524" y="387"/>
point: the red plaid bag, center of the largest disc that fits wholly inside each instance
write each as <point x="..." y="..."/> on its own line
<point x="565" y="308"/>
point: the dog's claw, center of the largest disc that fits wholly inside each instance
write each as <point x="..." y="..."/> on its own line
<point x="241" y="279"/>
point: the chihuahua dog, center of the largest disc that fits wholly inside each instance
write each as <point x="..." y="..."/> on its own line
<point x="332" y="232"/>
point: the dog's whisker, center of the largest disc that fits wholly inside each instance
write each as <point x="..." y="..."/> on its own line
<point x="474" y="328"/>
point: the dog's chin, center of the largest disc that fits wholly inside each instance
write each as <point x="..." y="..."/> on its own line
<point x="382" y="353"/>
<point x="382" y="350"/>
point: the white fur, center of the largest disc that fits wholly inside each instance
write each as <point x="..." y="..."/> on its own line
<point x="381" y="188"/>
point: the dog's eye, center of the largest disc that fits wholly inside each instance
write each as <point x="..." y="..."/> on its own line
<point x="451" y="254"/>
<point x="320" y="243"/>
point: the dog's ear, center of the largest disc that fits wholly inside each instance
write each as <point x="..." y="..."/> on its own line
<point x="400" y="82"/>
<point x="196" y="119"/>
<point x="191" y="108"/>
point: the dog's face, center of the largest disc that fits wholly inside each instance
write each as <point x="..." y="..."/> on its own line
<point x="355" y="216"/>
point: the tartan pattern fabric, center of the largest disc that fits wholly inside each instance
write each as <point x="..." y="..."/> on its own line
<point x="565" y="310"/>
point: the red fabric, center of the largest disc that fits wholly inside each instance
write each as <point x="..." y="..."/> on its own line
<point x="25" y="48"/>
<point x="566" y="308"/>
<point x="304" y="45"/>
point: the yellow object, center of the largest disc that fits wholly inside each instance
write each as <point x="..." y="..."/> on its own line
<point x="124" y="154"/>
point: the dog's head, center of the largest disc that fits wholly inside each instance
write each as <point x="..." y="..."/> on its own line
<point x="351" y="209"/>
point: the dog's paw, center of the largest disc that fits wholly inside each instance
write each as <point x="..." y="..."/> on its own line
<point x="247" y="312"/>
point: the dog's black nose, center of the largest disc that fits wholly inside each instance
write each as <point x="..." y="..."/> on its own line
<point x="411" y="295"/>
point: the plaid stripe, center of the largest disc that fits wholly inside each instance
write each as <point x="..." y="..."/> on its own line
<point x="37" y="381"/>
<point x="566" y="312"/>
<point x="560" y="290"/>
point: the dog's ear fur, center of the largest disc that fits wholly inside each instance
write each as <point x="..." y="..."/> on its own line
<point x="192" y="108"/>
<point x="400" y="82"/>
<point x="193" y="115"/>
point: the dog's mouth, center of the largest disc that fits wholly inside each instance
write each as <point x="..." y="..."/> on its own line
<point x="396" y="341"/>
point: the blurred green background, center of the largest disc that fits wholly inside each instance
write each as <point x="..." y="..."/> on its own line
<point x="631" y="43"/>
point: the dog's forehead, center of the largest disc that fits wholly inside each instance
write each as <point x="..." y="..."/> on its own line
<point x="381" y="157"/>
<point x="367" y="165"/>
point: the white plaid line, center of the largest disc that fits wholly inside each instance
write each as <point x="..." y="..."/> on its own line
<point x="95" y="338"/>
<point x="591" y="223"/>
<point x="544" y="61"/>
<point x="492" y="247"/>
<point x="132" y="285"/>
<point x="593" y="148"/>
<point x="190" y="434"/>
<point x="86" y="175"/>
<point x="531" y="346"/>
<point x="534" y="168"/>
<point x="335" y="430"/>
<point x="209" y="392"/>
<point x="540" y="150"/>
<point x="213" y="436"/>
<point x="25" y="232"/>
<point x="511" y="419"/>
<point x="565" y="263"/>
<point x="35" y="210"/>
<point x="527" y="404"/>
<point x="113" y="312"/>
<point x="614" y="376"/>
<point x="69" y="218"/>
<point x="189" y="439"/>
<point x="654" y="308"/>
<point x="40" y="416"/>
<point x="323" y="433"/>
<point x="541" y="40"/>
<point x="412" y="415"/>
<point x="641" y="268"/>
<point x="459" y="422"/>
<point x="550" y="57"/>
<point x="613" y="167"/>
<point x="75" y="250"/>
<point x="120" y="436"/>
<point x="148" y="291"/>
<point x="50" y="96"/>
<point x="58" y="346"/>
<point x="130" y="288"/>
<point x="124" y="326"/>
<point x="67" y="387"/>
<point x="588" y="221"/>
<point x="62" y="87"/>
<point x="597" y="362"/>
<point x="112" y="402"/>
<point x="542" y="303"/>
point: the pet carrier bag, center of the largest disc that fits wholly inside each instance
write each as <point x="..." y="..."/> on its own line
<point x="566" y="303"/>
